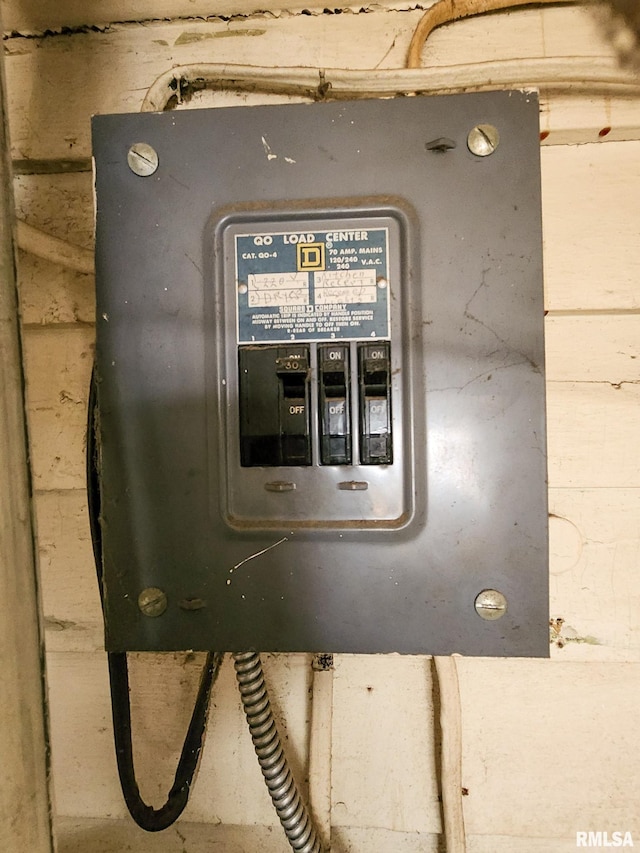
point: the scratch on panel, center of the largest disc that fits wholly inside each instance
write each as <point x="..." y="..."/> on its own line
<point x="268" y="151"/>
<point x="470" y="316"/>
<point x="257" y="554"/>
<point x="193" y="262"/>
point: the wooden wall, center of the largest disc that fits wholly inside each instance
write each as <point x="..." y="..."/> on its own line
<point x="549" y="747"/>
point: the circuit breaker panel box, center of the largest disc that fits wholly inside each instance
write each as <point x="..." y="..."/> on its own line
<point x="320" y="377"/>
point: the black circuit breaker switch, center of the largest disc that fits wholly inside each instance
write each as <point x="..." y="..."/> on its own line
<point x="274" y="405"/>
<point x="334" y="405"/>
<point x="374" y="375"/>
<point x="292" y="369"/>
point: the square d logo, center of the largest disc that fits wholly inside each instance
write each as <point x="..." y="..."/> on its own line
<point x="310" y="256"/>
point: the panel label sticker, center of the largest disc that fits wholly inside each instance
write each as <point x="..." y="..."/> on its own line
<point x="312" y="286"/>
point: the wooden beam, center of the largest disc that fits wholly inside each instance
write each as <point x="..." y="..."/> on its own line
<point x="25" y="823"/>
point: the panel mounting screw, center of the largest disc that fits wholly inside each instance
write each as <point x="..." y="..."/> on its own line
<point x="142" y="159"/>
<point x="491" y="604"/>
<point x="152" y="601"/>
<point x="483" y="140"/>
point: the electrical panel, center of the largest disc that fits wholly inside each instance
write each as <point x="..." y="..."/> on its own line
<point x="309" y="323"/>
<point x="320" y="377"/>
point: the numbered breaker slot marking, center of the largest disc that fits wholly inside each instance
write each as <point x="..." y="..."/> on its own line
<point x="325" y="404"/>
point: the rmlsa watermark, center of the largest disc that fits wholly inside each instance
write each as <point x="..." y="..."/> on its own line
<point x="602" y="840"/>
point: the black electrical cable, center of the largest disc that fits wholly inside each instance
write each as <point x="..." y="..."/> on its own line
<point x="148" y="818"/>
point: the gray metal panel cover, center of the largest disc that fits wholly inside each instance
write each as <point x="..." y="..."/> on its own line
<point x="470" y="340"/>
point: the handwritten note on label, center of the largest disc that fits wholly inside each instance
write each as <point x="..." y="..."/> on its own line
<point x="348" y="286"/>
<point x="275" y="289"/>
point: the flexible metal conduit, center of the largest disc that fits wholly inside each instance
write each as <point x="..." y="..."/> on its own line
<point x="285" y="796"/>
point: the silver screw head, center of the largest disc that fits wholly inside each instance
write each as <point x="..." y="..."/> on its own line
<point x="142" y="159"/>
<point x="491" y="604"/>
<point x="483" y="139"/>
<point x="152" y="601"/>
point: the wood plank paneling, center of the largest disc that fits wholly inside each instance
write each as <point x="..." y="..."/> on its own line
<point x="69" y="588"/>
<point x="383" y="731"/>
<point x="25" y="791"/>
<point x="60" y="205"/>
<point x="511" y="844"/>
<point x="58" y="369"/>
<point x="594" y="584"/>
<point x="230" y="788"/>
<point x="116" y="836"/>
<point x="349" y="839"/>
<point x="109" y="835"/>
<point x="51" y="294"/>
<point x="593" y="348"/>
<point x="26" y="16"/>
<point x="553" y="708"/>
<point x="591" y="210"/>
<point x="118" y="66"/>
<point x="549" y="748"/>
<point x="113" y="69"/>
<point x="592" y="435"/>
